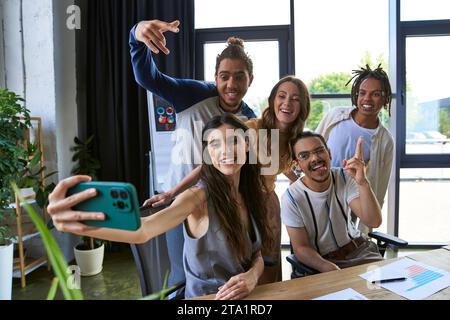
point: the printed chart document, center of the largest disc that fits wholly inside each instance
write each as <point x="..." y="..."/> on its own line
<point x="421" y="280"/>
<point x="347" y="294"/>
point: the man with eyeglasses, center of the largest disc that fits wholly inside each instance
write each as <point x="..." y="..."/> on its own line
<point x="316" y="208"/>
<point x="341" y="127"/>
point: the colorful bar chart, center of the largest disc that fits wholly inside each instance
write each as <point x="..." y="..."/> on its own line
<point x="422" y="280"/>
<point x="421" y="276"/>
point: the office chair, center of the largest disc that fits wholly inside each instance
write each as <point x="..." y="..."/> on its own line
<point x="384" y="241"/>
<point x="152" y="262"/>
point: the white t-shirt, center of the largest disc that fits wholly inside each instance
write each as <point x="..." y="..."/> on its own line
<point x="186" y="154"/>
<point x="343" y="139"/>
<point x="333" y="228"/>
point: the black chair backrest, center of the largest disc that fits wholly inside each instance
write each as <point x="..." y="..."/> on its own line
<point x="385" y="240"/>
<point x="152" y="259"/>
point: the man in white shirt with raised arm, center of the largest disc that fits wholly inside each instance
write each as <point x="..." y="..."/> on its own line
<point x="316" y="208"/>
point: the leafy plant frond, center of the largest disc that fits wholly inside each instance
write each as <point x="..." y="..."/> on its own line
<point x="54" y="253"/>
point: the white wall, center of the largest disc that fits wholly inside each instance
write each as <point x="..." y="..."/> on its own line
<point x="2" y="58"/>
<point x="12" y="46"/>
<point x="41" y="68"/>
<point x="39" y="65"/>
<point x="65" y="86"/>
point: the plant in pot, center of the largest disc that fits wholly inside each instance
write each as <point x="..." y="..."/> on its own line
<point x="89" y="253"/>
<point x="6" y="263"/>
<point x="20" y="162"/>
<point x="34" y="176"/>
<point x="14" y="121"/>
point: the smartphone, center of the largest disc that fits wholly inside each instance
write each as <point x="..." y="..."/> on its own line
<point x="117" y="200"/>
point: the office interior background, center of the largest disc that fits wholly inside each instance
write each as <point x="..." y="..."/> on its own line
<point x="330" y="39"/>
<point x="55" y="55"/>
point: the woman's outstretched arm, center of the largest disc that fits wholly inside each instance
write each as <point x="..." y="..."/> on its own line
<point x="67" y="220"/>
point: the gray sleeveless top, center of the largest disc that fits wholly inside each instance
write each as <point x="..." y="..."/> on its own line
<point x="209" y="261"/>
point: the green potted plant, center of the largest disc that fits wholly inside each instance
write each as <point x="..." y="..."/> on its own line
<point x="33" y="176"/>
<point x="90" y="252"/>
<point x="86" y="163"/>
<point x="14" y="121"/>
<point x="20" y="160"/>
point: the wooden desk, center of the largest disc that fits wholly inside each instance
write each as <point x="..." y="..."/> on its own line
<point x="321" y="284"/>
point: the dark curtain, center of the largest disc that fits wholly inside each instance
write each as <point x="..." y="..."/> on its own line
<point x="111" y="105"/>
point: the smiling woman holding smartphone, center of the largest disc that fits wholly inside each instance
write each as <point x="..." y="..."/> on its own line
<point x="225" y="221"/>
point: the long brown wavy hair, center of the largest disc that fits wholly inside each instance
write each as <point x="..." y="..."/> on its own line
<point x="221" y="196"/>
<point x="269" y="117"/>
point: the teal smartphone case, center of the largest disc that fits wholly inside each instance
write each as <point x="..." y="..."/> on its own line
<point x="117" y="200"/>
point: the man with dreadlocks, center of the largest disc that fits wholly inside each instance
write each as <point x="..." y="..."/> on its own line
<point x="341" y="127"/>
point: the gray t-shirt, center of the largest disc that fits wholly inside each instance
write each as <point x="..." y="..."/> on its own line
<point x="209" y="261"/>
<point x="343" y="139"/>
<point x="186" y="154"/>
<point x="302" y="207"/>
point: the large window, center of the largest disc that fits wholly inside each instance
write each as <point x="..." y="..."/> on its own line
<point x="267" y="46"/>
<point x="425" y="205"/>
<point x="265" y="74"/>
<point x="240" y="13"/>
<point x="414" y="10"/>
<point x="334" y="37"/>
<point x="427" y="102"/>
<point x="422" y="177"/>
<point x="267" y="32"/>
<point x="329" y="46"/>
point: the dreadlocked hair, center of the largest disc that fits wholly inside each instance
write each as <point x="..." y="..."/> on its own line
<point x="222" y="198"/>
<point x="365" y="73"/>
<point x="235" y="51"/>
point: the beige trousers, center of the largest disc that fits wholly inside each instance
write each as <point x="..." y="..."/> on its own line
<point x="365" y="253"/>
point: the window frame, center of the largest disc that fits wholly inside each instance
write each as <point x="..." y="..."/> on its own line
<point x="280" y="33"/>
<point x="399" y="31"/>
<point x="284" y="34"/>
<point x="416" y="29"/>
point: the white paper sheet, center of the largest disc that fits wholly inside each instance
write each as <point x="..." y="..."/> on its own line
<point x="422" y="280"/>
<point x="347" y="294"/>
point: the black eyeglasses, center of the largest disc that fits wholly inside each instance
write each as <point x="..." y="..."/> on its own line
<point x="303" y="156"/>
